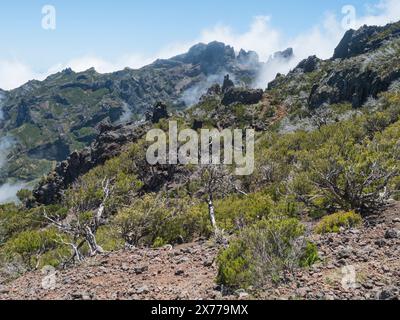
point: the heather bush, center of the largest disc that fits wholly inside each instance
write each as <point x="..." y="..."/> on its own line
<point x="265" y="252"/>
<point x="333" y="223"/>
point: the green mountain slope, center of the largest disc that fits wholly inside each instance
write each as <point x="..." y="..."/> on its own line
<point x="50" y="119"/>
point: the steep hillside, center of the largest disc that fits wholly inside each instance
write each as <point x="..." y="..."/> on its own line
<point x="365" y="64"/>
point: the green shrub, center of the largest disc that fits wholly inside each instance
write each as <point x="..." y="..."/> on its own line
<point x="87" y="193"/>
<point x="14" y="219"/>
<point x="264" y="252"/>
<point x="234" y="265"/>
<point x="236" y="212"/>
<point x="109" y="239"/>
<point x="333" y="223"/>
<point x="151" y="220"/>
<point x="310" y="255"/>
<point x="159" y="242"/>
<point x="31" y="245"/>
<point x="24" y="195"/>
<point x="54" y="257"/>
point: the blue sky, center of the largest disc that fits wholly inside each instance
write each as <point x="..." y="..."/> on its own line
<point x="125" y="31"/>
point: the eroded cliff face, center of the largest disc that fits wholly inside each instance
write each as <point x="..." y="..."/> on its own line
<point x="107" y="145"/>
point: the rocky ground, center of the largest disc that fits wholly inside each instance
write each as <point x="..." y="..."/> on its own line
<point x="356" y="264"/>
<point x="362" y="263"/>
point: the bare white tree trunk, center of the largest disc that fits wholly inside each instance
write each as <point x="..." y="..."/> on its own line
<point x="86" y="232"/>
<point x="211" y="211"/>
<point x="91" y="240"/>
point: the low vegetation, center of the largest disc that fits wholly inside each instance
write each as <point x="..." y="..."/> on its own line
<point x="265" y="252"/>
<point x="335" y="222"/>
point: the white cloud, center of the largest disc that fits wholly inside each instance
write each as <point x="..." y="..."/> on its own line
<point x="14" y="73"/>
<point x="101" y="65"/>
<point x="385" y="11"/>
<point x="261" y="37"/>
<point x="8" y="192"/>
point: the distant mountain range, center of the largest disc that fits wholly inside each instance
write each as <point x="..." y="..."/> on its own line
<point x="44" y="121"/>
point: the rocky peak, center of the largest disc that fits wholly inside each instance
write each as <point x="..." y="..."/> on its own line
<point x="365" y="39"/>
<point x="284" y="55"/>
<point x="228" y="83"/>
<point x="248" y="58"/>
<point x="211" y="57"/>
<point x="309" y="65"/>
<point x="68" y="71"/>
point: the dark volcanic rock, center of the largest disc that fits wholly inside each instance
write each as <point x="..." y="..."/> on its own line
<point x="159" y="112"/>
<point x="55" y="151"/>
<point x="242" y="95"/>
<point x="352" y="85"/>
<point x="392" y="234"/>
<point x="389" y="293"/>
<point x="23" y="114"/>
<point x="309" y="65"/>
<point x="365" y="39"/>
<point x="211" y="57"/>
<point x="107" y="145"/>
<point x="228" y="83"/>
<point x="285" y="55"/>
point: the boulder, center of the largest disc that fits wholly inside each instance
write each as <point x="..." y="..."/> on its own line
<point x="392" y="234"/>
<point x="242" y="95"/>
<point x="388" y="293"/>
<point x="309" y="65"/>
<point x="159" y="112"/>
<point x="228" y="84"/>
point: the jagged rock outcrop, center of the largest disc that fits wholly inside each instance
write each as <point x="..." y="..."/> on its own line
<point x="284" y="55"/>
<point x="211" y="58"/>
<point x="248" y="59"/>
<point x="215" y="91"/>
<point x="365" y="39"/>
<point x="107" y="145"/>
<point x="242" y="95"/>
<point x="228" y="84"/>
<point x="369" y="68"/>
<point x="159" y="112"/>
<point x="309" y="65"/>
<point x="351" y="85"/>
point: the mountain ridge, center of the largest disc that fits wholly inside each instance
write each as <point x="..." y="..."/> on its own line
<point x="49" y="119"/>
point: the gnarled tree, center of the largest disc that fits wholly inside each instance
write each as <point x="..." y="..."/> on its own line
<point x="81" y="227"/>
